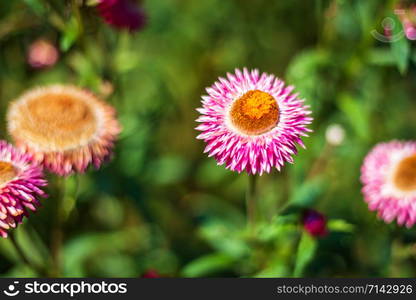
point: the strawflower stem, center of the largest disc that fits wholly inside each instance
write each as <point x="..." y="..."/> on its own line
<point x="251" y="200"/>
<point x="57" y="231"/>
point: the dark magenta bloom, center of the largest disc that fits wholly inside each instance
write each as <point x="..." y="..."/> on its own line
<point x="151" y="274"/>
<point x="314" y="223"/>
<point x="122" y="14"/>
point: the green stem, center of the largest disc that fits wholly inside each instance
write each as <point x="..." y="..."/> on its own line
<point x="57" y="231"/>
<point x="251" y="200"/>
<point x="77" y="13"/>
<point x="320" y="163"/>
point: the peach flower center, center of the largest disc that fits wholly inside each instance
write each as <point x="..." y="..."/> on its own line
<point x="405" y="175"/>
<point x="255" y="112"/>
<point x="58" y="120"/>
<point x="7" y="172"/>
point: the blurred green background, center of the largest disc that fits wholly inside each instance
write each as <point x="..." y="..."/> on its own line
<point x="161" y="204"/>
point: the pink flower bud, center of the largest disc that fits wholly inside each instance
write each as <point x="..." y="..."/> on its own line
<point x="42" y="54"/>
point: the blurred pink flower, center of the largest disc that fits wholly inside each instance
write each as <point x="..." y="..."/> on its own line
<point x="410" y="30"/>
<point x="315" y="223"/>
<point x="252" y="122"/>
<point x="64" y="127"/>
<point x="388" y="175"/>
<point x="407" y="17"/>
<point x="122" y="14"/>
<point x="42" y="54"/>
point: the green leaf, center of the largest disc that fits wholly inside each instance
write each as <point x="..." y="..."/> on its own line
<point x="85" y="247"/>
<point x="70" y="35"/>
<point x="400" y="46"/>
<point x="125" y="57"/>
<point x="307" y="193"/>
<point x="208" y="265"/>
<point x="37" y="6"/>
<point x="115" y="264"/>
<point x="224" y="238"/>
<point x="340" y="225"/>
<point x="381" y="57"/>
<point x="271" y="232"/>
<point x="88" y="75"/>
<point x="306" y="71"/>
<point x="356" y="113"/>
<point x="168" y="169"/>
<point x="306" y="251"/>
<point x="30" y="244"/>
<point x="92" y="2"/>
<point x="70" y="194"/>
<point x="413" y="57"/>
<point x="210" y="175"/>
<point x="20" y="270"/>
<point x="276" y="267"/>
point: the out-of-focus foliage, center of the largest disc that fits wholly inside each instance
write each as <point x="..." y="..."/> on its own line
<point x="161" y="204"/>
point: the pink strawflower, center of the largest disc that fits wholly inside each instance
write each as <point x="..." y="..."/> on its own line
<point x="252" y="122"/>
<point x="122" y="14"/>
<point x="389" y="178"/>
<point x="42" y="54"/>
<point x="20" y="186"/>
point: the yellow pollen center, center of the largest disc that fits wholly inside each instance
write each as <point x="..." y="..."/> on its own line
<point x="58" y="121"/>
<point x="405" y="175"/>
<point x="7" y="172"/>
<point x="255" y="112"/>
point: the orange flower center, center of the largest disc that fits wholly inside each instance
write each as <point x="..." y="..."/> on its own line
<point x="255" y="112"/>
<point x="59" y="121"/>
<point x="405" y="176"/>
<point x="7" y="172"/>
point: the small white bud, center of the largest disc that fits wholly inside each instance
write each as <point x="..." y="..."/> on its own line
<point x="335" y="134"/>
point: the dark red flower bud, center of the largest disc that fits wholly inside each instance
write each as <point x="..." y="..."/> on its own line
<point x="122" y="14"/>
<point x="314" y="223"/>
<point x="151" y="274"/>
